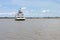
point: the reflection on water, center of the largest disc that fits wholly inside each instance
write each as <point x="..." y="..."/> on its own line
<point x="30" y="29"/>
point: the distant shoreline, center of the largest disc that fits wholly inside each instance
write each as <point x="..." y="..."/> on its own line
<point x="30" y="17"/>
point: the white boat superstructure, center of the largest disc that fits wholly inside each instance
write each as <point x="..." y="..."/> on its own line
<point x="19" y="16"/>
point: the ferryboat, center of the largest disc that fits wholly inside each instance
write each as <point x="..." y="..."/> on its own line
<point x="19" y="16"/>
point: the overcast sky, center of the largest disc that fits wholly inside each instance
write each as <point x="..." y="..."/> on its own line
<point x="30" y="8"/>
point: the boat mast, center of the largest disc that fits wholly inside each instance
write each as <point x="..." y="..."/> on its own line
<point x="20" y="11"/>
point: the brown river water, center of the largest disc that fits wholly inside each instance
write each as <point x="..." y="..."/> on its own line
<point x="30" y="29"/>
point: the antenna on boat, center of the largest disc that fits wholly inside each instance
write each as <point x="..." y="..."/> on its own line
<point x="20" y="11"/>
<point x="19" y="8"/>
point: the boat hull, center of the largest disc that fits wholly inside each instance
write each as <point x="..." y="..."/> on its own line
<point x="20" y="19"/>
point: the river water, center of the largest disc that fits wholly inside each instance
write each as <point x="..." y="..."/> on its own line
<point x="30" y="29"/>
